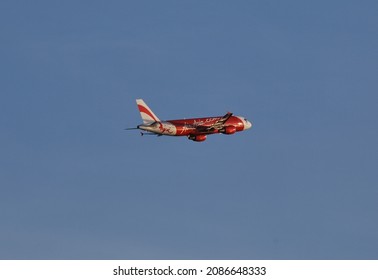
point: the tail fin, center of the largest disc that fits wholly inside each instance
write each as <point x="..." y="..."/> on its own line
<point x="146" y="113"/>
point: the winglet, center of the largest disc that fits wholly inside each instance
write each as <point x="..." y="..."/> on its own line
<point x="226" y="117"/>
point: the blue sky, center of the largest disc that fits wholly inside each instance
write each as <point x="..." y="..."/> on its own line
<point x="302" y="184"/>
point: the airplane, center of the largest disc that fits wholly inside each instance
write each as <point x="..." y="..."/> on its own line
<point x="195" y="129"/>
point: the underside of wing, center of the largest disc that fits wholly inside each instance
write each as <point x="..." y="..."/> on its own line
<point x="219" y="124"/>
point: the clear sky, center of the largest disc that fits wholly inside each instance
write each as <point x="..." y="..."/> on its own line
<point x="301" y="184"/>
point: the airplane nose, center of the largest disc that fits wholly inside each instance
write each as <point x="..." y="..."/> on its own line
<point x="248" y="125"/>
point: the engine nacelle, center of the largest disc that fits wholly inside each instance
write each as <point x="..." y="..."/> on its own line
<point x="197" y="138"/>
<point x="230" y="129"/>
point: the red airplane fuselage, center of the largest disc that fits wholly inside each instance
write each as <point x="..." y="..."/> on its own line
<point x="195" y="129"/>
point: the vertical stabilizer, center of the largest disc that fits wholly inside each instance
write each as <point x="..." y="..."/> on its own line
<point x="146" y="113"/>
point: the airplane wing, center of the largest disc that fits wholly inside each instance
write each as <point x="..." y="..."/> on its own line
<point x="217" y="125"/>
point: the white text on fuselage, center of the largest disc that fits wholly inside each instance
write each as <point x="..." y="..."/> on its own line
<point x="187" y="127"/>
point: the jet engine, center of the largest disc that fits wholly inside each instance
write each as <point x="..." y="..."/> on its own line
<point x="230" y="129"/>
<point x="197" y="138"/>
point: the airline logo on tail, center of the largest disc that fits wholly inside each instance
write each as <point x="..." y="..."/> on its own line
<point x="195" y="129"/>
<point x="146" y="113"/>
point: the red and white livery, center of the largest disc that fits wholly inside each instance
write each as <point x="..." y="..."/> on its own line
<point x="195" y="129"/>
